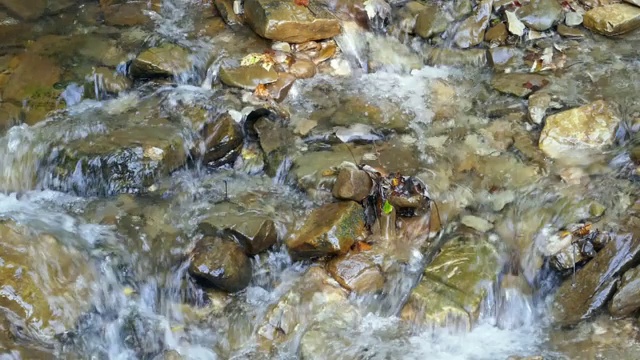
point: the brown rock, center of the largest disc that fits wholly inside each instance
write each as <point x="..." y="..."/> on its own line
<point x="286" y="21"/>
<point x="225" y="8"/>
<point x="329" y="230"/>
<point x="165" y="60"/>
<point x="627" y="299"/>
<point x="222" y="141"/>
<point x="303" y="69"/>
<point x="519" y="84"/>
<point x="357" y="271"/>
<point x="471" y="31"/>
<point x="430" y="21"/>
<point x="352" y="184"/>
<point x="126" y="14"/>
<point x="614" y="19"/>
<point x="570" y="32"/>
<point x="34" y="73"/>
<point x="497" y="34"/>
<point x="247" y="77"/>
<point x="26" y="10"/>
<point x="280" y="89"/>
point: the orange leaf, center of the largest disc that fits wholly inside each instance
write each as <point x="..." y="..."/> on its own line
<point x="362" y="246"/>
<point x="261" y="91"/>
<point x="301" y="2"/>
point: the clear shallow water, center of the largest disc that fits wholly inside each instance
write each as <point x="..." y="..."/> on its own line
<point x="141" y="297"/>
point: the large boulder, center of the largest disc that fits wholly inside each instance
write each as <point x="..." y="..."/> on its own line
<point x="329" y="230"/>
<point x="580" y="297"/>
<point x="614" y="19"/>
<point x="454" y="285"/>
<point x="589" y="127"/>
<point x="287" y="21"/>
<point x="220" y="262"/>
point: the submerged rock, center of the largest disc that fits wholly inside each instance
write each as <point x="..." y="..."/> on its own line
<point x="454" y="285"/>
<point x="430" y="21"/>
<point x="220" y="262"/>
<point x="26" y="10"/>
<point x="596" y="282"/>
<point x="589" y="127"/>
<point x="163" y="61"/>
<point x="540" y="15"/>
<point x="519" y="84"/>
<point x="287" y="21"/>
<point x="497" y="34"/>
<point x="627" y="299"/>
<point x="614" y="19"/>
<point x="329" y="230"/>
<point x="359" y="272"/>
<point x="471" y="31"/>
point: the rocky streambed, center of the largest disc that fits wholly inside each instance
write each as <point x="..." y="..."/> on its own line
<point x="317" y="179"/>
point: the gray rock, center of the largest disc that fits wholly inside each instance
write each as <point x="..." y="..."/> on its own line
<point x="352" y="184"/>
<point x="165" y="60"/>
<point x="477" y="223"/>
<point x="540" y="15"/>
<point x="430" y="21"/>
<point x="573" y="18"/>
<point x="471" y="31"/>
<point x="627" y="299"/>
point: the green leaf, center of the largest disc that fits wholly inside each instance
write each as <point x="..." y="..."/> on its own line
<point x="387" y="208"/>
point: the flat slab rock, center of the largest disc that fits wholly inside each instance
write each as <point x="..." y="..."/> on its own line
<point x="612" y="20"/>
<point x="589" y="127"/>
<point x="286" y="21"/>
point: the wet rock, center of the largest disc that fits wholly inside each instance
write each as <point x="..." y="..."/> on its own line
<point x="225" y="8"/>
<point x="247" y="77"/>
<point x="626" y="300"/>
<point x="25" y="10"/>
<point x="612" y="20"/>
<point x="634" y="2"/>
<point x="45" y="285"/>
<point x="573" y="18"/>
<point x="222" y="141"/>
<point x="569" y="31"/>
<point x="497" y="34"/>
<point x="477" y="223"/>
<point x="430" y="21"/>
<point x="329" y="230"/>
<point x="589" y="127"/>
<point x="303" y="69"/>
<point x="454" y="285"/>
<point x="503" y="57"/>
<point x="539" y="102"/>
<point x="352" y="184"/>
<point x="456" y="57"/>
<point x="286" y="21"/>
<point x="10" y="115"/>
<point x="221" y="263"/>
<point x="126" y="14"/>
<point x="163" y="61"/>
<point x="256" y="233"/>
<point x="359" y="272"/>
<point x="125" y="160"/>
<point x="395" y="157"/>
<point x="107" y="80"/>
<point x="461" y="8"/>
<point x="356" y="110"/>
<point x="335" y="328"/>
<point x="471" y="31"/>
<point x="279" y="89"/>
<point x="595" y="283"/>
<point x="519" y="84"/>
<point x="169" y="355"/>
<point x="540" y="15"/>
<point x="568" y="257"/>
<point x="312" y="296"/>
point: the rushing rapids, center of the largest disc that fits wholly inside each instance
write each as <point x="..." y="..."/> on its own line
<point x="134" y="154"/>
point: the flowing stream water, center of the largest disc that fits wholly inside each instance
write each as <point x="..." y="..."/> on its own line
<point x="135" y="298"/>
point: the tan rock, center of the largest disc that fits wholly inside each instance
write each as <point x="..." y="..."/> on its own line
<point x="126" y="14"/>
<point x="279" y="89"/>
<point x="247" y="77"/>
<point x="26" y="10"/>
<point x="33" y="74"/>
<point x="329" y="230"/>
<point x="519" y="84"/>
<point x="471" y="31"/>
<point x="589" y="127"/>
<point x="286" y="21"/>
<point x="352" y="184"/>
<point x="303" y="69"/>
<point x="165" y="60"/>
<point x="614" y="19"/>
<point x="570" y="32"/>
<point x="497" y="33"/>
<point x="225" y="8"/>
<point x="358" y="271"/>
<point x="430" y="21"/>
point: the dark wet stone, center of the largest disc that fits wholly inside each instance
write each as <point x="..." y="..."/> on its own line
<point x="596" y="282"/>
<point x="225" y="8"/>
<point x="256" y="233"/>
<point x="329" y="230"/>
<point x="221" y="263"/>
<point x="540" y="15"/>
<point x="222" y="141"/>
<point x="352" y="184"/>
<point x="286" y="21"/>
